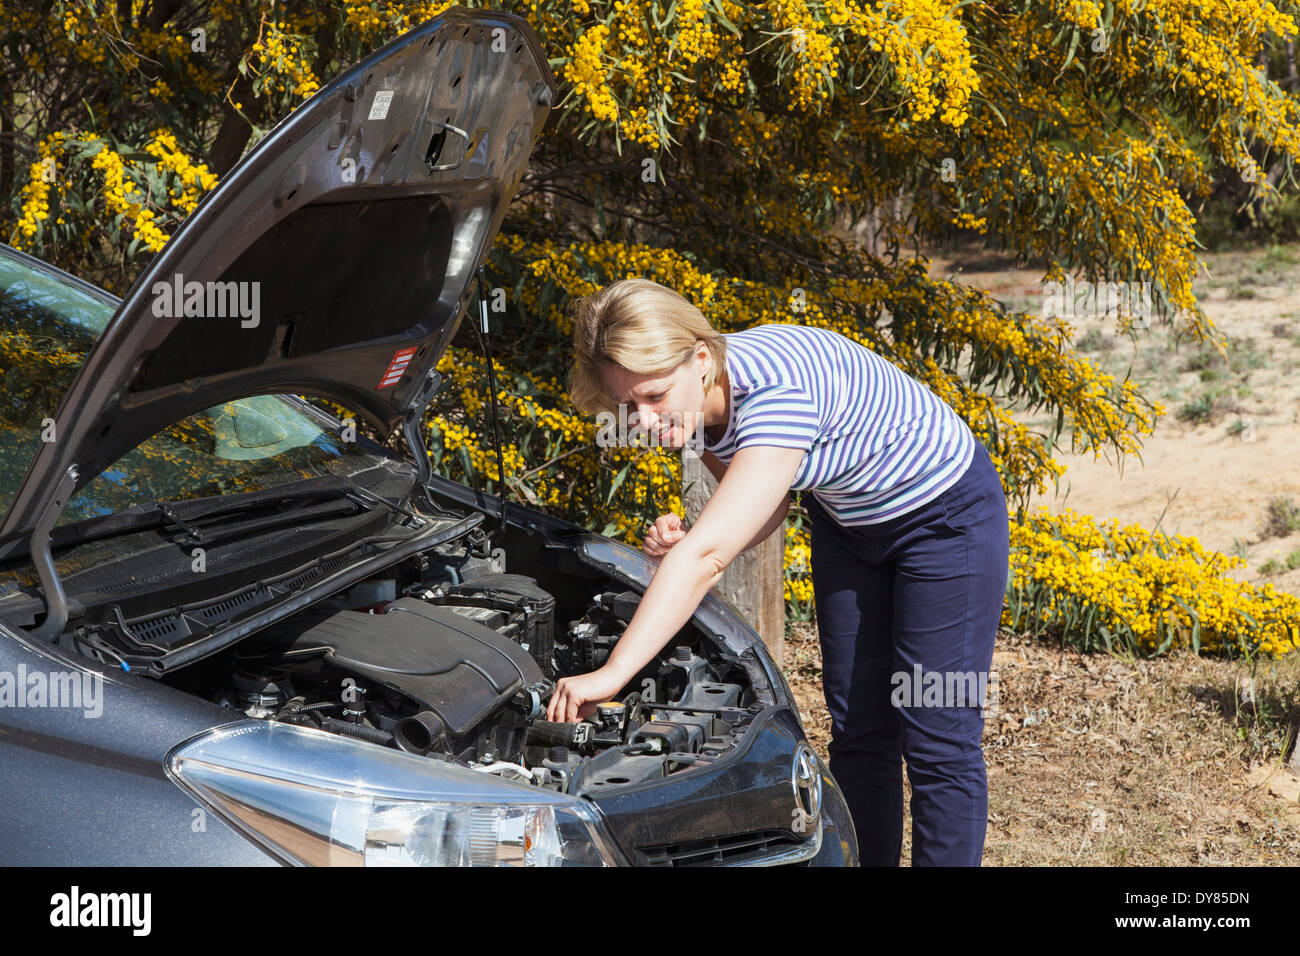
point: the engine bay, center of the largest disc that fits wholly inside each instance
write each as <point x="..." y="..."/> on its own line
<point x="450" y="658"/>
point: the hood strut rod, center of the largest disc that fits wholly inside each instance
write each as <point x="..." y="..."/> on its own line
<point x="414" y="441"/>
<point x="486" y="338"/>
<point x="56" y="600"/>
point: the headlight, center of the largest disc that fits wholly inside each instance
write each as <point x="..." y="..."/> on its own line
<point x="315" y="798"/>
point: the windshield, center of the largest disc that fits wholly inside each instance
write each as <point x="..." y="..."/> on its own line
<point x="48" y="324"/>
<point x="247" y="445"/>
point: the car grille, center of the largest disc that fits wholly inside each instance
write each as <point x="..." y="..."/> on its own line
<point x="735" y="850"/>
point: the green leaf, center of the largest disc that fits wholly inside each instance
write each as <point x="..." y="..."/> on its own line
<point x="717" y="14"/>
<point x="1105" y="635"/>
<point x="467" y="464"/>
<point x="1164" y="646"/>
<point x="618" y="480"/>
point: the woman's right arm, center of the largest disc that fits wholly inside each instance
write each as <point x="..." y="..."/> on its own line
<point x="718" y="468"/>
<point x="689" y="571"/>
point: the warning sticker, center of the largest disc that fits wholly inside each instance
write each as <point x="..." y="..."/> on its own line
<point x="379" y="106"/>
<point x="401" y="359"/>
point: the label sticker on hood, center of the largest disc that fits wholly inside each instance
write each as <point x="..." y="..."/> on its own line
<point x="401" y="359"/>
<point x="379" y="106"/>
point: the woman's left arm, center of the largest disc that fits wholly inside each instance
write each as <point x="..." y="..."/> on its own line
<point x="752" y="488"/>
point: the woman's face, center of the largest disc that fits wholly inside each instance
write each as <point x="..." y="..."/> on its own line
<point x="669" y="405"/>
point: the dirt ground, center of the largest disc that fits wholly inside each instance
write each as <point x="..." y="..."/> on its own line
<point x="1095" y="760"/>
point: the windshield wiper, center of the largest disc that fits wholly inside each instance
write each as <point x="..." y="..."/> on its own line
<point x="367" y="497"/>
<point x="175" y="519"/>
<point x="188" y="515"/>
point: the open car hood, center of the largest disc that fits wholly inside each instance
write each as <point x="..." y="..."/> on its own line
<point x="352" y="234"/>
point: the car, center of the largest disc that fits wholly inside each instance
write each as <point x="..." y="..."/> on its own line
<point x="235" y="632"/>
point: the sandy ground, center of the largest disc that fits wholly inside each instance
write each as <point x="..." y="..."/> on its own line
<point x="1213" y="474"/>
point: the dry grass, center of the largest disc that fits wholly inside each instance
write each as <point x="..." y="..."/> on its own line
<point x="1097" y="761"/>
<point x="1281" y="518"/>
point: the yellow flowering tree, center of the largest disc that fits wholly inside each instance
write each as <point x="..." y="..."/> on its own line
<point x="715" y="146"/>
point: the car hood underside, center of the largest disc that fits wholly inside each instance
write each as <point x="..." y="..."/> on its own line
<point x="335" y="260"/>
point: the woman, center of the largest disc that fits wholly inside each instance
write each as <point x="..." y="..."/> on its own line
<point x="909" y="542"/>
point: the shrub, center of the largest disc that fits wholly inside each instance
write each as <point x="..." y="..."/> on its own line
<point x="1281" y="517"/>
<point x="1093" y="584"/>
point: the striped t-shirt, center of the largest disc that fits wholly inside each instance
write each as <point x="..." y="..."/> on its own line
<point x="879" y="443"/>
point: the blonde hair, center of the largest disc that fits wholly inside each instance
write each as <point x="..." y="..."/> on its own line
<point x="641" y="325"/>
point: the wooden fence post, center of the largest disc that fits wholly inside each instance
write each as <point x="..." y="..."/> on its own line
<point x="755" y="581"/>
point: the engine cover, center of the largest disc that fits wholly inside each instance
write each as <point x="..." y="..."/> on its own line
<point x="452" y="665"/>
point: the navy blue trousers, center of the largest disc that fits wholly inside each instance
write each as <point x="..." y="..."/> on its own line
<point x="907" y="611"/>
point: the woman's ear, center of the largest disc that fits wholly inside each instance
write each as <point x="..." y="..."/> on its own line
<point x="703" y="358"/>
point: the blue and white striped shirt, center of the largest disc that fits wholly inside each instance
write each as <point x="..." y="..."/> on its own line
<point x="879" y="443"/>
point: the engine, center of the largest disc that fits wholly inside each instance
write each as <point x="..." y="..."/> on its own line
<point x="461" y="671"/>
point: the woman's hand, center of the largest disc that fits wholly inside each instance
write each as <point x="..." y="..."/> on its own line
<point x="663" y="534"/>
<point x="577" y="697"/>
